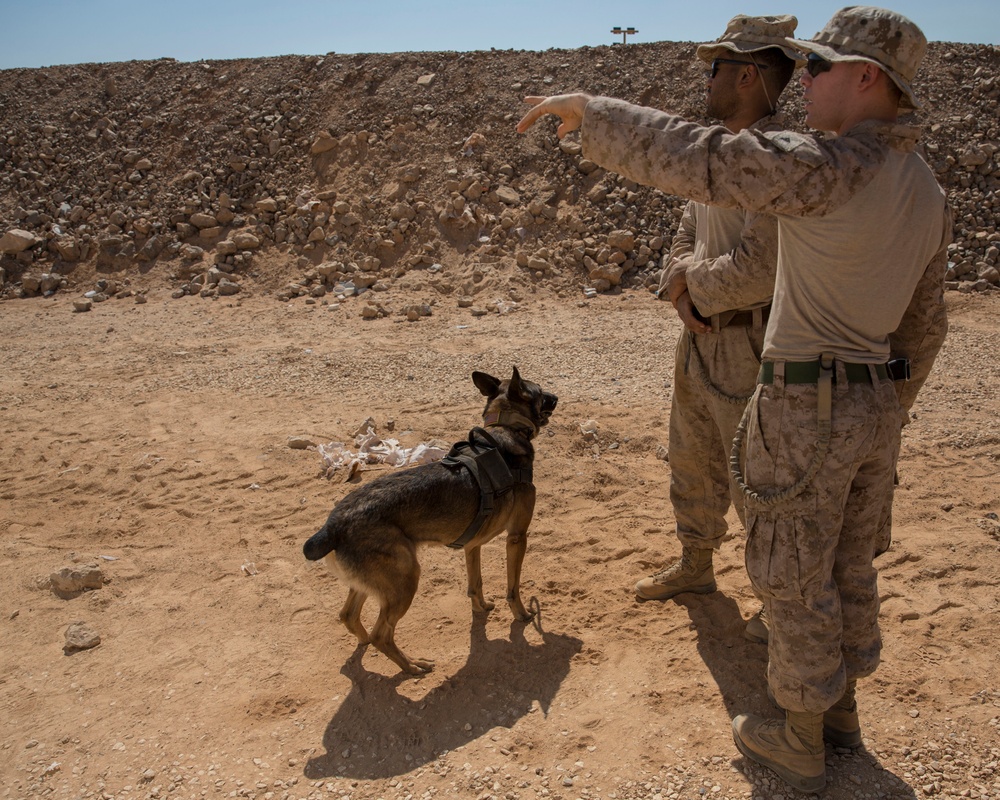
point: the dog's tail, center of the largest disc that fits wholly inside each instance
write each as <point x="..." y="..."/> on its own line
<point x="320" y="544"/>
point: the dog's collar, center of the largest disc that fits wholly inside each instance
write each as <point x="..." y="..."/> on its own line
<point x="510" y="419"/>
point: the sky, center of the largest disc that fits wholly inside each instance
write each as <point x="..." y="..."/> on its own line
<point x="37" y="33"/>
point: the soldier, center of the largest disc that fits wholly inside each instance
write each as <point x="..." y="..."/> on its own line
<point x="719" y="275"/>
<point x="863" y="229"/>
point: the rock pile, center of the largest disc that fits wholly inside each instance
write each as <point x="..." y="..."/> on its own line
<point x="343" y="174"/>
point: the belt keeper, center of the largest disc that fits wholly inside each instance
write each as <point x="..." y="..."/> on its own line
<point x="824" y="392"/>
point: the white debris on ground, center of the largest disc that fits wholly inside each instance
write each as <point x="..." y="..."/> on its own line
<point x="370" y="449"/>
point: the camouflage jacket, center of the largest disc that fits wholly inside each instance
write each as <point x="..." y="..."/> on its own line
<point x="863" y="225"/>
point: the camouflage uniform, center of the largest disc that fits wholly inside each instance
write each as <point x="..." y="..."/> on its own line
<point x="732" y="258"/>
<point x="860" y="220"/>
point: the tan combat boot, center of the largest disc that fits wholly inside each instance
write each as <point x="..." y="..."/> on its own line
<point x="758" y="627"/>
<point x="792" y="747"/>
<point x="693" y="573"/>
<point x="841" y="726"/>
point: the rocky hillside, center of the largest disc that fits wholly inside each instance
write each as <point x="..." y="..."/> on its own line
<point x="400" y="173"/>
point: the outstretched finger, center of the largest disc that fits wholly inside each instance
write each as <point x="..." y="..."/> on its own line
<point x="532" y="116"/>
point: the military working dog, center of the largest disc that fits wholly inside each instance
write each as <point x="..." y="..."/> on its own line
<point x="483" y="487"/>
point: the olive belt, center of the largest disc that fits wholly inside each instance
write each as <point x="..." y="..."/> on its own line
<point x="808" y="372"/>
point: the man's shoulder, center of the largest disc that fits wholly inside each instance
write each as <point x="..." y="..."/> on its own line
<point x="803" y="146"/>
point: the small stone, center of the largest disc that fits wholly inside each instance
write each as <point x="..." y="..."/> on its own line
<point x="80" y="637"/>
<point x="69" y="582"/>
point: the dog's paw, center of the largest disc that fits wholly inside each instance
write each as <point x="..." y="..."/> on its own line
<point x="420" y="667"/>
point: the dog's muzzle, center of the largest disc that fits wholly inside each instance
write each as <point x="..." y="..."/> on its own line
<point x="549" y="401"/>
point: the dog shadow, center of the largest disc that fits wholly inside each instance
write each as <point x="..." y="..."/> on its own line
<point x="379" y="733"/>
<point x="739" y="668"/>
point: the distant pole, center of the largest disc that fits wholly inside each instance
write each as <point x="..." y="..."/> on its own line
<point x="625" y="32"/>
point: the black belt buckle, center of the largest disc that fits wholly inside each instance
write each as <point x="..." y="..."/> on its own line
<point x="899" y="369"/>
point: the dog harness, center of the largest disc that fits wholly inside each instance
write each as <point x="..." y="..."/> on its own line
<point x="481" y="456"/>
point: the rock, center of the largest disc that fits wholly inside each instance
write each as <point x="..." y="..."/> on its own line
<point x="67" y="248"/>
<point x="82" y="305"/>
<point x="622" y="240"/>
<point x="190" y="252"/>
<point x="151" y="249"/>
<point x="426" y="80"/>
<point x="228" y="288"/>
<point x="202" y="221"/>
<point x="267" y="205"/>
<point x="17" y="240"/>
<point x="245" y="240"/>
<point x="323" y="143"/>
<point x="508" y="196"/>
<point x="302" y="442"/>
<point x="611" y="273"/>
<point x="990" y="275"/>
<point x="31" y="284"/>
<point x="69" y="582"/>
<point x="79" y="636"/>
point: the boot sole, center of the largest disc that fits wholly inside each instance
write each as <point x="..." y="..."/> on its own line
<point x="793" y="779"/>
<point x="700" y="590"/>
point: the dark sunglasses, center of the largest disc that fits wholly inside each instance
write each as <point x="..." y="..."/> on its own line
<point x="715" y="65"/>
<point x="816" y="64"/>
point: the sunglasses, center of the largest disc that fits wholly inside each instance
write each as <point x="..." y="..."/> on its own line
<point x="816" y="64"/>
<point x="716" y="62"/>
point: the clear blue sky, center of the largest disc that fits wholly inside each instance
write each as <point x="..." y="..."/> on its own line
<point x="38" y="33"/>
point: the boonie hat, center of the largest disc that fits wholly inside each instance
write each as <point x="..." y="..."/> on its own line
<point x="866" y="33"/>
<point x="745" y="34"/>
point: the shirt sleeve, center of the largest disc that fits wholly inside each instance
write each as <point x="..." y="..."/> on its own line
<point x="922" y="329"/>
<point x="681" y="248"/>
<point x="777" y="172"/>
<point x="741" y="278"/>
<point x="682" y="245"/>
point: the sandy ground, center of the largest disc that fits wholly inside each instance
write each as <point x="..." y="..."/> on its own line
<point x="152" y="441"/>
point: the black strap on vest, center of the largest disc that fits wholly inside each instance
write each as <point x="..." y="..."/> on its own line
<point x="484" y="461"/>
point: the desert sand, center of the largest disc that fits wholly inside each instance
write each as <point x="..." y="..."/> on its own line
<point x="153" y="442"/>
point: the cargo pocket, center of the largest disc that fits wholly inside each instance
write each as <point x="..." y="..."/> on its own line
<point x="785" y="556"/>
<point x="757" y="459"/>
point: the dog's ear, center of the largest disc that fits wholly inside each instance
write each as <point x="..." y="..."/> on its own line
<point x="486" y="384"/>
<point x="514" y="389"/>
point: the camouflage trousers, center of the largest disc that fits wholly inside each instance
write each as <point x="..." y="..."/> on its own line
<point x="703" y="421"/>
<point x="810" y="558"/>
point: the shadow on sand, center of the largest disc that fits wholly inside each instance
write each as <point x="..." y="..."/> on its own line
<point x="379" y="733"/>
<point x="739" y="667"/>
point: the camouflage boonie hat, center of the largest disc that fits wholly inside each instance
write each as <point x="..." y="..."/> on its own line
<point x="746" y="34"/>
<point x="866" y="33"/>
